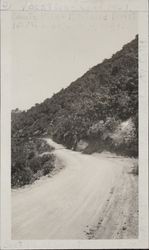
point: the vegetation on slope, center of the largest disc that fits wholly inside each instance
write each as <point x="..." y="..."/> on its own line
<point x="31" y="159"/>
<point x="92" y="108"/>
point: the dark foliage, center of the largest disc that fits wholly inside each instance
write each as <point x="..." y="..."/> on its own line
<point x="28" y="162"/>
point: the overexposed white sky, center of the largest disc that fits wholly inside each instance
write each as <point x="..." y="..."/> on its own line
<point x="52" y="49"/>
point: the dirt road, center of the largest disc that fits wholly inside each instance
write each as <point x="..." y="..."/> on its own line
<point x="92" y="197"/>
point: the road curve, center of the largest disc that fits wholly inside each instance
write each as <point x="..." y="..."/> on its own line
<point x="73" y="203"/>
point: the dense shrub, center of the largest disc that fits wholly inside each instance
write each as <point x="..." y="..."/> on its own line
<point x="47" y="167"/>
<point x="27" y="164"/>
<point x="34" y="164"/>
<point x="47" y="157"/>
<point x="42" y="146"/>
<point x="21" y="177"/>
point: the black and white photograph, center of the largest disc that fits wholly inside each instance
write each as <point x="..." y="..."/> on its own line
<point x="74" y="155"/>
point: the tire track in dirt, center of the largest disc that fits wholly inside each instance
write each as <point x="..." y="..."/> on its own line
<point x="119" y="215"/>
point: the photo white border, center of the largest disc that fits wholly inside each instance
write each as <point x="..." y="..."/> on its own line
<point x="101" y="5"/>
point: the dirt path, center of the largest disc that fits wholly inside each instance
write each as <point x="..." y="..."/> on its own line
<point x="92" y="197"/>
<point x="119" y="215"/>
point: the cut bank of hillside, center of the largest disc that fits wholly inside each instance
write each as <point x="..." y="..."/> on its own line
<point x="100" y="108"/>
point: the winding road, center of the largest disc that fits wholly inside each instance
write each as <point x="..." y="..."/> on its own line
<point x="92" y="197"/>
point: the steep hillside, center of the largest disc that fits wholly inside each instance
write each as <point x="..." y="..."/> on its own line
<point x="91" y="108"/>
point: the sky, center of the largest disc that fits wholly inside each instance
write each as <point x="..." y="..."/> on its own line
<point x="49" y="50"/>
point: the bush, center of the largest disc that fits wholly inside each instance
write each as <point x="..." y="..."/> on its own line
<point x="42" y="146"/>
<point x="46" y="157"/>
<point x="47" y="168"/>
<point x="31" y="155"/>
<point x="22" y="177"/>
<point x="27" y="166"/>
<point x="35" y="164"/>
